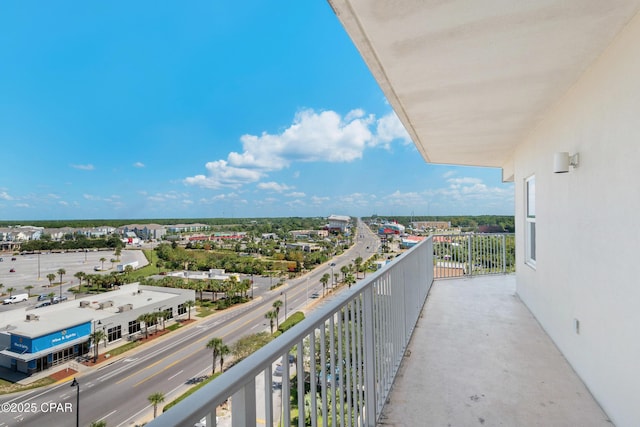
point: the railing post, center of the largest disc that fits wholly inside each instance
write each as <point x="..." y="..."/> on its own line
<point x="504" y="253"/>
<point x="370" y="399"/>
<point x="243" y="406"/>
<point x="469" y="237"/>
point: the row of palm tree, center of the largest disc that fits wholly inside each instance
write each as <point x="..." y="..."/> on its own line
<point x="150" y="319"/>
<point x="274" y="315"/>
<point x="218" y="349"/>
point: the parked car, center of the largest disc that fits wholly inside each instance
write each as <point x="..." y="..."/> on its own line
<point x="13" y="270"/>
<point x="58" y="299"/>
<point x="43" y="297"/>
<point x="278" y="371"/>
<point x="42" y="304"/>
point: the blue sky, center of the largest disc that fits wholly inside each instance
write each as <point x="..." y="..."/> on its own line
<point x="206" y="109"/>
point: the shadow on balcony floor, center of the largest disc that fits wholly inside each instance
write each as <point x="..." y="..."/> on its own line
<point x="478" y="357"/>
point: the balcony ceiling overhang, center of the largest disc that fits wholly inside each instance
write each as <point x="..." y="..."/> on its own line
<point x="470" y="79"/>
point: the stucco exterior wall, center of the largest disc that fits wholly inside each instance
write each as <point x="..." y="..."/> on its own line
<point x="588" y="241"/>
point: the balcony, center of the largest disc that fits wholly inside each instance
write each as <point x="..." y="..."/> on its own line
<point x="378" y="355"/>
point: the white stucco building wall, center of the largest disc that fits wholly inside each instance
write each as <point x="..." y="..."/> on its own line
<point x="588" y="243"/>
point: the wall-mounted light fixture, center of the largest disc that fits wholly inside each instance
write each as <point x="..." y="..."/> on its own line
<point x="562" y="161"/>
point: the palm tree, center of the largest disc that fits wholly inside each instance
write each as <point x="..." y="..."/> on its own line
<point x="190" y="303"/>
<point x="101" y="423"/>
<point x="79" y="275"/>
<point x="344" y="270"/>
<point x="51" y="277"/>
<point x="214" y="344"/>
<point x="276" y="306"/>
<point x="96" y="336"/>
<point x="271" y="315"/>
<point x="358" y="264"/>
<point x="28" y="288"/>
<point x="223" y="351"/>
<point x="102" y="260"/>
<point x="350" y="279"/>
<point x="324" y="280"/>
<point x="117" y="252"/>
<point x="10" y="290"/>
<point x="146" y="319"/>
<point x="61" y="272"/>
<point x="1" y="286"/>
<point x="155" y="399"/>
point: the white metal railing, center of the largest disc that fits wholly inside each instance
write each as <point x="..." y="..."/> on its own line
<point x="348" y="351"/>
<point x="456" y="255"/>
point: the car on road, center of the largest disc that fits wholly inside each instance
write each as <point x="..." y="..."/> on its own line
<point x="58" y="299"/>
<point x="43" y="297"/>
<point x="42" y="304"/>
<point x="16" y="298"/>
<point x="278" y="371"/>
<point x="13" y="270"/>
<point x="315" y="295"/>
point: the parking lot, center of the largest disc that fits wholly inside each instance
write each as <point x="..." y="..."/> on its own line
<point x="32" y="269"/>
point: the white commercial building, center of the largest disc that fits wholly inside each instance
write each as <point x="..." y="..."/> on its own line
<point x="34" y="339"/>
<point x="514" y="85"/>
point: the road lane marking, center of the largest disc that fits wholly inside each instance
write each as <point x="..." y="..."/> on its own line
<point x="163" y="369"/>
<point x="110" y="413"/>
<point x="175" y="375"/>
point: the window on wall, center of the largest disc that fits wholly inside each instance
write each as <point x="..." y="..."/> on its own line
<point x="530" y="237"/>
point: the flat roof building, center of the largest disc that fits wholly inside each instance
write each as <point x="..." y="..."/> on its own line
<point x="34" y="339"/>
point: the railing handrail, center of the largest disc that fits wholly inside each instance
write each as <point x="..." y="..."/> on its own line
<point x="190" y="410"/>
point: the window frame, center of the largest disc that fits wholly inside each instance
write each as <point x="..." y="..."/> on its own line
<point x="530" y="221"/>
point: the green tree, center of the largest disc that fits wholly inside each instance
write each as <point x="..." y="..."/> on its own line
<point x="102" y="260"/>
<point x="96" y="336"/>
<point x="214" y="345"/>
<point x="10" y="290"/>
<point x="155" y="399"/>
<point x="189" y="303"/>
<point x="1" y="286"/>
<point x="344" y="270"/>
<point x="28" y="288"/>
<point x="276" y="306"/>
<point x="51" y="277"/>
<point x="100" y="423"/>
<point x="79" y="275"/>
<point x="271" y="315"/>
<point x="223" y="350"/>
<point x="146" y="319"/>
<point x="358" y="265"/>
<point x="324" y="280"/>
<point x="61" y="272"/>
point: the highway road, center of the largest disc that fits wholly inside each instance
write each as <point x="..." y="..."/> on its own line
<point x="117" y="391"/>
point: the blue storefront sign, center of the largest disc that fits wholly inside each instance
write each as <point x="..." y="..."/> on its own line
<point x="21" y="344"/>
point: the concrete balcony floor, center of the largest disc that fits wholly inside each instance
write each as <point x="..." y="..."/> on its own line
<point x="478" y="357"/>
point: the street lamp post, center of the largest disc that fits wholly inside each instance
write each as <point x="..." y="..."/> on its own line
<point x="95" y="352"/>
<point x="76" y="384"/>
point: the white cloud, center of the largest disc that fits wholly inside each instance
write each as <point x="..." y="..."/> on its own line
<point x="296" y="194"/>
<point x="22" y="205"/>
<point x="448" y="174"/>
<point x="5" y="196"/>
<point x="63" y="203"/>
<point x="317" y="200"/>
<point x="273" y="186"/>
<point x="222" y="175"/>
<point x="312" y="137"/>
<point x="138" y="165"/>
<point x="389" y="128"/>
<point x="88" y="167"/>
